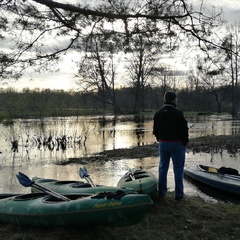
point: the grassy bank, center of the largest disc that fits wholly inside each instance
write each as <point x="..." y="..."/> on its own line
<point x="192" y="218"/>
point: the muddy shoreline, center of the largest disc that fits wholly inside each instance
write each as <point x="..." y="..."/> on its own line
<point x="207" y="144"/>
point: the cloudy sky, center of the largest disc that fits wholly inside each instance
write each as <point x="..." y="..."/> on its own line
<point x="64" y="79"/>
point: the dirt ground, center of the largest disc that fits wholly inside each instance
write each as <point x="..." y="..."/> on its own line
<point x="208" y="144"/>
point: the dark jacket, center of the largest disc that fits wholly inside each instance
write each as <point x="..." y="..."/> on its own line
<point x="170" y="124"/>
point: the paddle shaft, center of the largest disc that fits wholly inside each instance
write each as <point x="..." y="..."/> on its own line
<point x="55" y="194"/>
<point x="27" y="182"/>
<point x="131" y="174"/>
<point x="89" y="180"/>
<point x="84" y="174"/>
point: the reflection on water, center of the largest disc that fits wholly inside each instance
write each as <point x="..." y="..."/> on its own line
<point x="211" y="194"/>
<point x="62" y="138"/>
<point x="42" y="143"/>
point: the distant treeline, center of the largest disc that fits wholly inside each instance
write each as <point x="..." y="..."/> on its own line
<point x="42" y="103"/>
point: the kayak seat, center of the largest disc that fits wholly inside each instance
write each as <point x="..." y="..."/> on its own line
<point x="52" y="199"/>
<point x="208" y="169"/>
<point x="204" y="167"/>
<point x="139" y="172"/>
<point x="223" y="170"/>
<point x="7" y="195"/>
<point x="44" y="180"/>
<point x="80" y="185"/>
<point x="228" y="170"/>
<point x="137" y="177"/>
<point x="67" y="182"/>
<point x="141" y="176"/>
<point x="111" y="195"/>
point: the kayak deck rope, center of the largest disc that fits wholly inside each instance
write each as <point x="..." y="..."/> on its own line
<point x="111" y="195"/>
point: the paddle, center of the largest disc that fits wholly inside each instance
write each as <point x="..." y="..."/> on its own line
<point x="131" y="174"/>
<point x="27" y="182"/>
<point x="84" y="174"/>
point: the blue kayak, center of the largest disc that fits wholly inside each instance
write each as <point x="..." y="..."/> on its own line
<point x="210" y="176"/>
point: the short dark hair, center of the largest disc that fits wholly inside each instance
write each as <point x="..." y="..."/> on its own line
<point x="169" y="96"/>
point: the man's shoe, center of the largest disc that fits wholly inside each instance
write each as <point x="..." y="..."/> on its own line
<point x="178" y="198"/>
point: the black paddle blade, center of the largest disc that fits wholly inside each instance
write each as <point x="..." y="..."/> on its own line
<point x="27" y="182"/>
<point x="81" y="174"/>
<point x="24" y="180"/>
<point x="85" y="170"/>
<point x="23" y="175"/>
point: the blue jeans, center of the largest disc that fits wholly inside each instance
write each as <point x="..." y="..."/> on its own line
<point x="176" y="151"/>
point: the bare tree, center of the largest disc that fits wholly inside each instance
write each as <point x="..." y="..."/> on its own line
<point x="140" y="66"/>
<point x="97" y="73"/>
<point x="231" y="44"/>
<point x="220" y="69"/>
<point x="209" y="76"/>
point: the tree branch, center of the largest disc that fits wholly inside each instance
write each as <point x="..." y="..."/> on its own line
<point x="87" y="12"/>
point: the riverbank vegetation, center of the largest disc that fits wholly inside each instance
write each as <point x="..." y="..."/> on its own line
<point x="52" y="103"/>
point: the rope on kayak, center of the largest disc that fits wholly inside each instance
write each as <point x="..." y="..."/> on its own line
<point x="111" y="195"/>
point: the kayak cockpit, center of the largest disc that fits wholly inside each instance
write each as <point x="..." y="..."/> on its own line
<point x="136" y="177"/>
<point x="80" y="185"/>
<point x="47" y="198"/>
<point x="29" y="196"/>
<point x="72" y="197"/>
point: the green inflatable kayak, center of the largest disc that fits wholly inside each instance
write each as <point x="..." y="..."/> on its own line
<point x="112" y="209"/>
<point x="140" y="180"/>
<point x="74" y="187"/>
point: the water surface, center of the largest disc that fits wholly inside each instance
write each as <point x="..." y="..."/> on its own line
<point x="43" y="143"/>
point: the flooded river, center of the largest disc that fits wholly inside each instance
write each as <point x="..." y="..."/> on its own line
<point x="34" y="147"/>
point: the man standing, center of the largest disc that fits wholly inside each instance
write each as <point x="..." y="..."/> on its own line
<point x="171" y="131"/>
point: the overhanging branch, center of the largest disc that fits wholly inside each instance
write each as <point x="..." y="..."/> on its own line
<point x="87" y="12"/>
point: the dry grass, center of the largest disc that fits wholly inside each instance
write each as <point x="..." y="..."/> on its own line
<point x="192" y="218"/>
